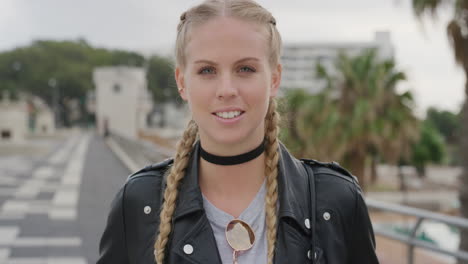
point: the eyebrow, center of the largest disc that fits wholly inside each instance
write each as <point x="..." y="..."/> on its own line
<point x="239" y="61"/>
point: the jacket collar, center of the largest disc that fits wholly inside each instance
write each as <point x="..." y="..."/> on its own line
<point x="292" y="188"/>
<point x="190" y="197"/>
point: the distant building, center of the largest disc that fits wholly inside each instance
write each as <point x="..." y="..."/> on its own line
<point x="300" y="60"/>
<point x="28" y="115"/>
<point x="13" y="120"/>
<point x="170" y="115"/>
<point x="122" y="100"/>
<point x="42" y="116"/>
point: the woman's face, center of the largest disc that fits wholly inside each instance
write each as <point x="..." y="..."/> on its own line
<point x="228" y="81"/>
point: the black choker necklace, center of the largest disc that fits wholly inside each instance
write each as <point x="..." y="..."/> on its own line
<point x="232" y="160"/>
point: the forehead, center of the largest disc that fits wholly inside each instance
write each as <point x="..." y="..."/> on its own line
<point x="226" y="38"/>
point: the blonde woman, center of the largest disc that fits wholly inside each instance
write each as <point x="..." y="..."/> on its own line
<point x="233" y="193"/>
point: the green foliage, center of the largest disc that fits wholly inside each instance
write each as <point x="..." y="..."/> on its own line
<point x="429" y="148"/>
<point x="446" y="122"/>
<point x="161" y="81"/>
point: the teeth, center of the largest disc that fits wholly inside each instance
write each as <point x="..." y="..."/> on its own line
<point x="228" y="115"/>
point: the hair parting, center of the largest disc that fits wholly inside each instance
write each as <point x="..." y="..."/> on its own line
<point x="246" y="10"/>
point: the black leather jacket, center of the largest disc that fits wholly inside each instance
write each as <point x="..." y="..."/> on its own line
<point x="343" y="233"/>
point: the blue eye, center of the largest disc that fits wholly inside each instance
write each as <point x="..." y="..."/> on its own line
<point x="207" y="70"/>
<point x="246" y="69"/>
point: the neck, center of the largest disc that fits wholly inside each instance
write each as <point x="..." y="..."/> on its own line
<point x="223" y="183"/>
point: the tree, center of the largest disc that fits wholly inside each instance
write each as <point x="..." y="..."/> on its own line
<point x="429" y="148"/>
<point x="457" y="33"/>
<point x="446" y="122"/>
<point x="358" y="115"/>
<point x="312" y="125"/>
<point x="161" y="81"/>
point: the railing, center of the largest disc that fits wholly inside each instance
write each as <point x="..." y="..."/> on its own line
<point x="411" y="241"/>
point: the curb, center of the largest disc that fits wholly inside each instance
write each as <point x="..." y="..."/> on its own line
<point x="120" y="153"/>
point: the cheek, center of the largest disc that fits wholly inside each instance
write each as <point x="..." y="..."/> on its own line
<point x="259" y="90"/>
<point x="198" y="94"/>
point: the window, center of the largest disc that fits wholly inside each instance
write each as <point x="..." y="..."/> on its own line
<point x="5" y="134"/>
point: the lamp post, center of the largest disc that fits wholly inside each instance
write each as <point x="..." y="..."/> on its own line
<point x="16" y="66"/>
<point x="55" y="100"/>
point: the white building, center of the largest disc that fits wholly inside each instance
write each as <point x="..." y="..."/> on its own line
<point x="13" y="120"/>
<point x="41" y="120"/>
<point x="45" y="123"/>
<point x="300" y="60"/>
<point x="122" y="100"/>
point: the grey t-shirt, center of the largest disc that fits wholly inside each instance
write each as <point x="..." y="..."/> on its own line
<point x="254" y="215"/>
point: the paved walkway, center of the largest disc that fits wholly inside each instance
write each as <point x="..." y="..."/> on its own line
<point x="39" y="203"/>
<point x="444" y="200"/>
<point x="54" y="201"/>
<point x="393" y="252"/>
<point x="103" y="175"/>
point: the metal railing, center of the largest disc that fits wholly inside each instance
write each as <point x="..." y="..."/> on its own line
<point x="421" y="215"/>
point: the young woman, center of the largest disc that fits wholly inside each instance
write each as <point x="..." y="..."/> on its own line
<point x="233" y="193"/>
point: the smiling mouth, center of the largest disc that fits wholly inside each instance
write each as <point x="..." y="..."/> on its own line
<point x="229" y="114"/>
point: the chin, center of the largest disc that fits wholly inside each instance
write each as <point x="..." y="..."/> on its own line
<point x="229" y="138"/>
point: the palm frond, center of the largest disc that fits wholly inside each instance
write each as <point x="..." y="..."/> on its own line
<point x="426" y="7"/>
<point x="458" y="41"/>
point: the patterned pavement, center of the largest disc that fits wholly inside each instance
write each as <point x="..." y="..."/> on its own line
<point x="44" y="218"/>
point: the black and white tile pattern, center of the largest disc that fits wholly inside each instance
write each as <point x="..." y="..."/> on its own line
<point x="39" y="204"/>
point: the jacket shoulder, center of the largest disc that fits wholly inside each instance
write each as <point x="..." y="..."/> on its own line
<point x="145" y="187"/>
<point x="147" y="183"/>
<point x="154" y="170"/>
<point x="323" y="169"/>
<point x="337" y="190"/>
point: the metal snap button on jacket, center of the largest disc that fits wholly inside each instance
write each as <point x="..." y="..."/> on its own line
<point x="307" y="223"/>
<point x="326" y="216"/>
<point x="188" y="249"/>
<point x="147" y="209"/>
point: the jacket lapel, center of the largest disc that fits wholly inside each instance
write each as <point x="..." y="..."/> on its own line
<point x="293" y="239"/>
<point x="293" y="190"/>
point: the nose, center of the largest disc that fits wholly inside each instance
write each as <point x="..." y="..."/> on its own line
<point x="227" y="87"/>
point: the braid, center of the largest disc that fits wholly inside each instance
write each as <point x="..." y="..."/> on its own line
<point x="176" y="174"/>
<point x="271" y="171"/>
<point x="183" y="18"/>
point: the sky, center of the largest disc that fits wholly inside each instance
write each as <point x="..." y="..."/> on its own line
<point x="422" y="49"/>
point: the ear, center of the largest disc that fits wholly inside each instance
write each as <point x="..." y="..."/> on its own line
<point x="276" y="79"/>
<point x="179" y="77"/>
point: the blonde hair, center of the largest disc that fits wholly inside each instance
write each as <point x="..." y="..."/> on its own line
<point x="245" y="10"/>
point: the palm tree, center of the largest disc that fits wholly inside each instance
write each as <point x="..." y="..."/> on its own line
<point x="312" y="126"/>
<point x="358" y="113"/>
<point x="457" y="31"/>
<point x="382" y="120"/>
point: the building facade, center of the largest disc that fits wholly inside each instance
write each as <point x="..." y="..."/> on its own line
<point x="300" y="60"/>
<point x="123" y="101"/>
<point x="13" y="120"/>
